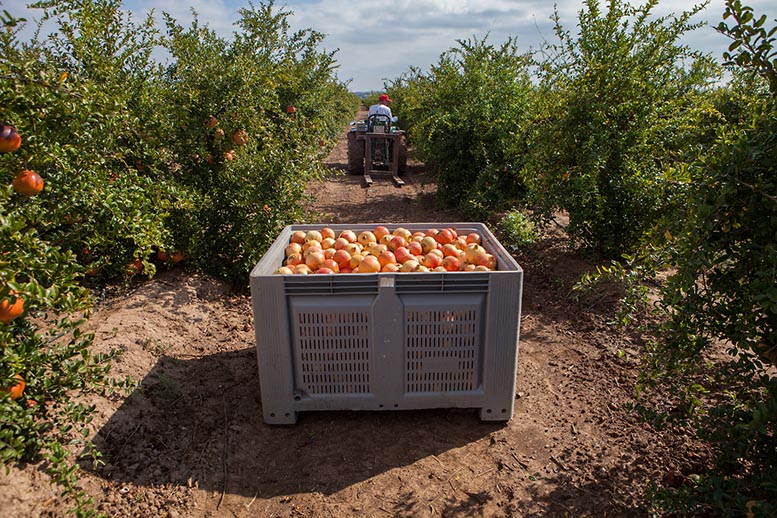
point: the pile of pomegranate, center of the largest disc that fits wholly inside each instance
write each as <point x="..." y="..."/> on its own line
<point x="382" y="250"/>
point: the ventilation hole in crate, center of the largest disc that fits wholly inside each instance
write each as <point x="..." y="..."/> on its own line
<point x="442" y="350"/>
<point x="334" y="352"/>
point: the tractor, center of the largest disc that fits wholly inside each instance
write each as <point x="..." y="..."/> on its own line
<point x="377" y="149"/>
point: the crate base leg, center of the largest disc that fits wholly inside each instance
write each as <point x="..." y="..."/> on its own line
<point x="281" y="417"/>
<point x="496" y="414"/>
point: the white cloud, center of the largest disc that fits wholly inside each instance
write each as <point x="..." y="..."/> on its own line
<point x="379" y="39"/>
<point x="220" y="15"/>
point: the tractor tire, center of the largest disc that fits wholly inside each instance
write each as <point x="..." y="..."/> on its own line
<point x="355" y="154"/>
<point x="402" y="156"/>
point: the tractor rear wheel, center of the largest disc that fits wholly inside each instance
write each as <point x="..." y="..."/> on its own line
<point x="402" y="156"/>
<point x="355" y="154"/>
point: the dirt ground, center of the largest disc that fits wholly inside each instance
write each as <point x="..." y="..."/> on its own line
<point x="190" y="441"/>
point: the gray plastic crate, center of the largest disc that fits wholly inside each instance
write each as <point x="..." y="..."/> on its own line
<point x="387" y="341"/>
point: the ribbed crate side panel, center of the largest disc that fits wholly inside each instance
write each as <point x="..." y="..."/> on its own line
<point x="274" y="356"/>
<point x="504" y="317"/>
<point x="443" y="343"/>
<point x="331" y="343"/>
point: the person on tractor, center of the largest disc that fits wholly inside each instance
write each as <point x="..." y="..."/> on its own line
<point x="376" y="145"/>
<point x="382" y="108"/>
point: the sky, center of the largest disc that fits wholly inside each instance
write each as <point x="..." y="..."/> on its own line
<point x="379" y="40"/>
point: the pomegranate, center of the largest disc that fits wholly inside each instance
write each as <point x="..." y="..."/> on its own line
<point x="28" y="183"/>
<point x="10" y="140"/>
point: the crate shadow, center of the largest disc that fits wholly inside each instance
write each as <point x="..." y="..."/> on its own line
<point x="198" y="422"/>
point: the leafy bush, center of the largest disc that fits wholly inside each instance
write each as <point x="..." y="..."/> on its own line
<point x="123" y="149"/>
<point x="82" y="108"/>
<point x="622" y="101"/>
<point x="723" y="290"/>
<point x="269" y="84"/>
<point x="721" y="255"/>
<point x="129" y="164"/>
<point x="44" y="352"/>
<point x="96" y="209"/>
<point x="516" y="230"/>
<point x="465" y="117"/>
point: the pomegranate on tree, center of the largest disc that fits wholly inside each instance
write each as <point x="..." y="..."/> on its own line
<point x="16" y="389"/>
<point x="10" y="310"/>
<point x="10" y="140"/>
<point x="240" y="137"/>
<point x="28" y="183"/>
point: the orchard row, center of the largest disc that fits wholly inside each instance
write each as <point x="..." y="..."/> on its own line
<point x="113" y="165"/>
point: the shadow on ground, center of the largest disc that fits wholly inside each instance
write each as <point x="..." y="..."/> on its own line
<point x="198" y="422"/>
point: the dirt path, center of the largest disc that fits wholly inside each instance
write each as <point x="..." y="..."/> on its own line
<point x="190" y="441"/>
